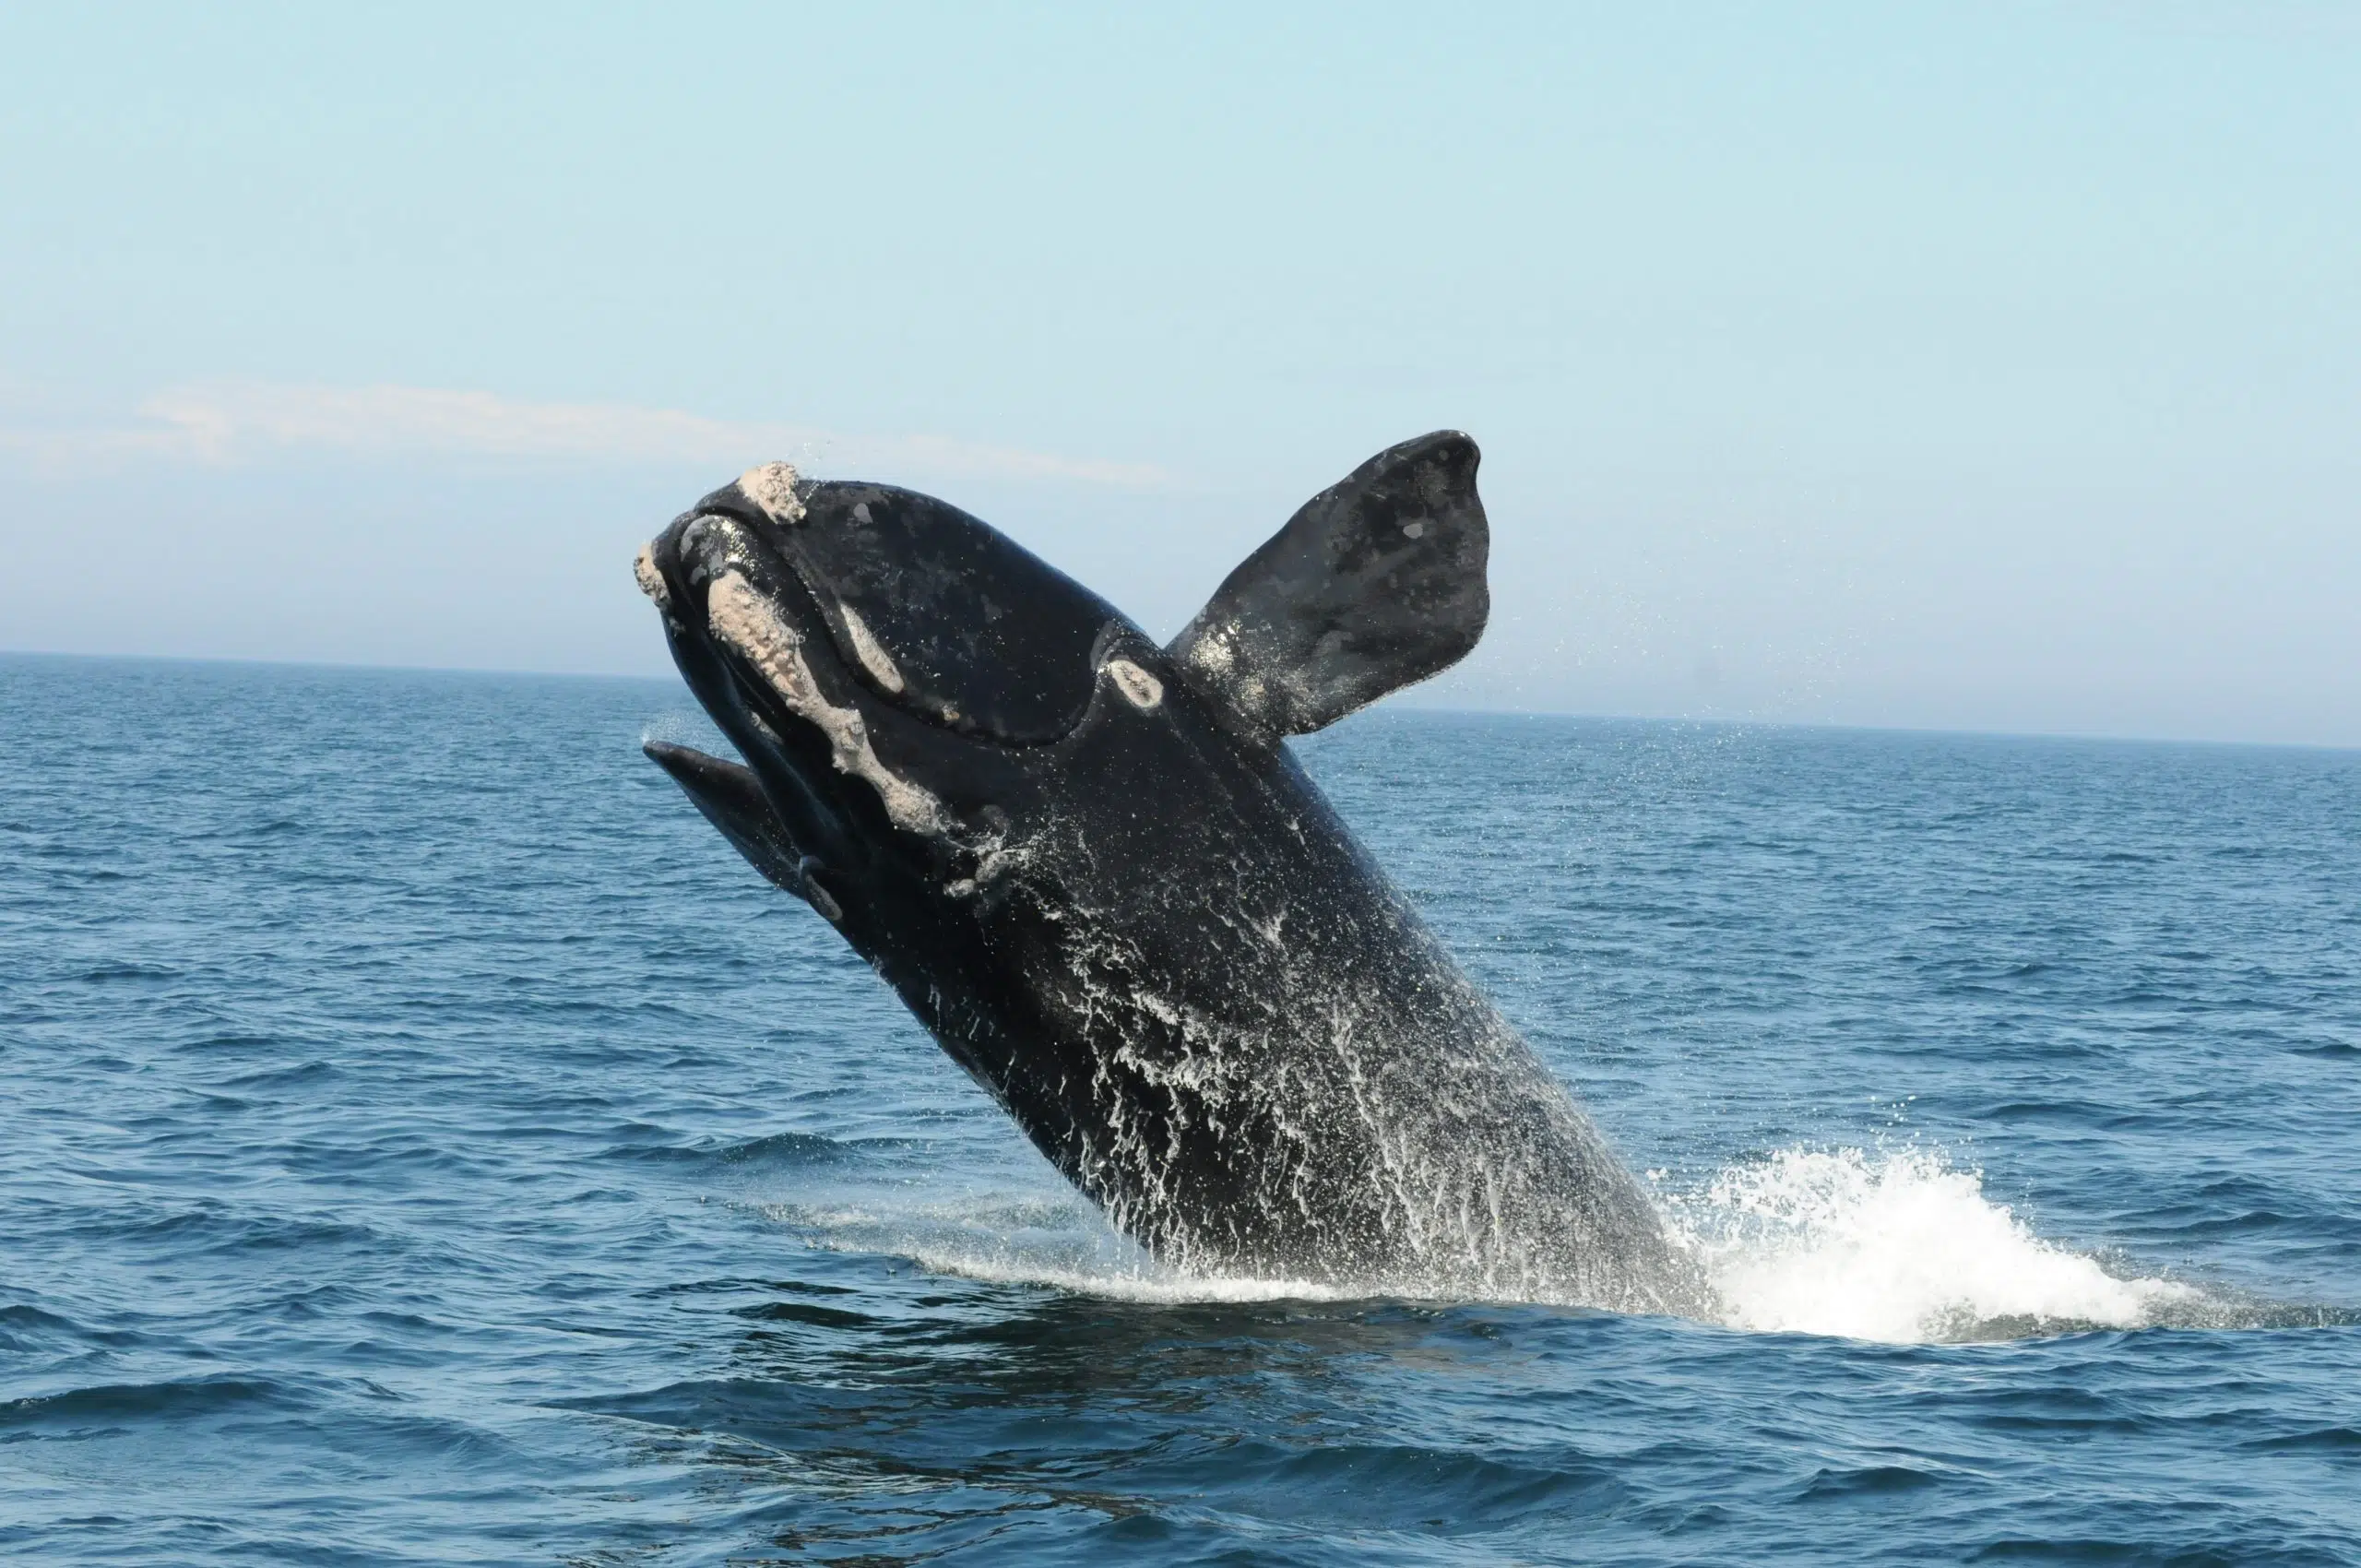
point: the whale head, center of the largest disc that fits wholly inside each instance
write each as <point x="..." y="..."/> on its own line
<point x="885" y="664"/>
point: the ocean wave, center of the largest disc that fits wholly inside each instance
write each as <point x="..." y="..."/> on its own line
<point x="781" y="1152"/>
<point x="103" y="1405"/>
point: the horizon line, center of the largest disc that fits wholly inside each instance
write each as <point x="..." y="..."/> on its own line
<point x="1721" y="721"/>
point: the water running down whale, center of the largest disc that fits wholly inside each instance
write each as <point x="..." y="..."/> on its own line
<point x="1094" y="871"/>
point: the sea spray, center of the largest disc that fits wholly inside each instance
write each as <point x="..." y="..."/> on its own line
<point x="1896" y="1245"/>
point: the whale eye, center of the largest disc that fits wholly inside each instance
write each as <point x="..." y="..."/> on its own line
<point x="944" y="616"/>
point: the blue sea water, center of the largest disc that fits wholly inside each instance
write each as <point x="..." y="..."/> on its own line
<point x="421" y="1140"/>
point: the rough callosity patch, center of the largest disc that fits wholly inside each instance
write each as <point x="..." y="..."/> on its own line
<point x="741" y="618"/>
<point x="1141" y="689"/>
<point x="873" y="658"/>
<point x="773" y="487"/>
<point x="651" y="581"/>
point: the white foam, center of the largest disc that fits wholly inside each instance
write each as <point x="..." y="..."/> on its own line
<point x="1144" y="1283"/>
<point x="1897" y="1246"/>
<point x="687" y="726"/>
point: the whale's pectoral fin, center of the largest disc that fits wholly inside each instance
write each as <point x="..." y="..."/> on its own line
<point x="733" y="801"/>
<point x="1377" y="582"/>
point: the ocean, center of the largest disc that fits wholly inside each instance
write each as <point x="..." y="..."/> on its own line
<point x="423" y="1140"/>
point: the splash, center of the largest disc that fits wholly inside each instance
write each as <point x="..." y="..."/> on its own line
<point x="1140" y="1281"/>
<point x="687" y="726"/>
<point x="1894" y="1245"/>
<point x="1898" y="1246"/>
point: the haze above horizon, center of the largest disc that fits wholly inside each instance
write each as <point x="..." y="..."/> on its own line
<point x="1990" y="367"/>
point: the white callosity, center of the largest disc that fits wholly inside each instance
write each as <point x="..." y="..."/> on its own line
<point x="1140" y="689"/>
<point x="741" y="618"/>
<point x="773" y="487"/>
<point x="873" y="658"/>
<point x="651" y="581"/>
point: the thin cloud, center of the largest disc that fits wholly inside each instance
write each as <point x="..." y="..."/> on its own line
<point x="231" y="423"/>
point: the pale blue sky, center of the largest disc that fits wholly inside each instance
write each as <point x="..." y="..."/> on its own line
<point x="1984" y="365"/>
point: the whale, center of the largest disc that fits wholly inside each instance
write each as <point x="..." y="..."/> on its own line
<point x="1093" y="868"/>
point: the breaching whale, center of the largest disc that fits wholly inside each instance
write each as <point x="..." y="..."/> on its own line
<point x="1094" y="871"/>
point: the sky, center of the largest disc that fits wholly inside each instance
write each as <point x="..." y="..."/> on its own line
<point x="1990" y="366"/>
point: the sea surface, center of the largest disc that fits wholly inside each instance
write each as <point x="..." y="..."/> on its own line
<point x="421" y="1140"/>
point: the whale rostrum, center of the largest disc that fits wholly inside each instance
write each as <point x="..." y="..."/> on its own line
<point x="1094" y="871"/>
